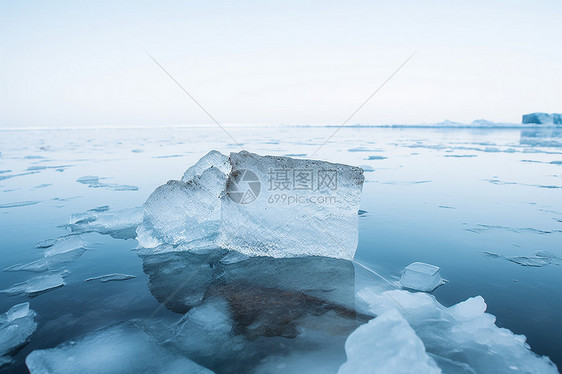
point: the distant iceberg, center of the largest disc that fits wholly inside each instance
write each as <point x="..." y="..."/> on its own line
<point x="543" y="118"/>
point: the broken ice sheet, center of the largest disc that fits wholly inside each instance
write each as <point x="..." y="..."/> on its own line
<point x="420" y="276"/>
<point x="37" y="285"/>
<point x="464" y="327"/>
<point x="16" y="326"/>
<point x="323" y="221"/>
<point x="119" y="224"/>
<point x="120" y="349"/>
<point x="61" y="250"/>
<point x="111" y="277"/>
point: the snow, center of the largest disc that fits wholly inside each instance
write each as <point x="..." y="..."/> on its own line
<point x="386" y="344"/>
<point x="38" y="284"/>
<point x="120" y="349"/>
<point x="322" y="221"/>
<point x="16" y="327"/>
<point x="420" y="276"/>
<point x="462" y="338"/>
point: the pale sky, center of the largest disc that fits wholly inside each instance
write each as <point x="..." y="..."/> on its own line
<point x="71" y="64"/>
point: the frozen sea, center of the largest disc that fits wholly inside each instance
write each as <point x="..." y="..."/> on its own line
<point x="483" y="204"/>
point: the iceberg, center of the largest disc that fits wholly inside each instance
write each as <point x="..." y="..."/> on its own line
<point x="386" y="344"/>
<point x="16" y="327"/>
<point x="462" y="338"/>
<point x="258" y="206"/>
<point x="121" y="349"/>
<point x="420" y="276"/>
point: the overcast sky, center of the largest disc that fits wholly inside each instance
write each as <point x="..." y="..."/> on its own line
<point x="301" y="62"/>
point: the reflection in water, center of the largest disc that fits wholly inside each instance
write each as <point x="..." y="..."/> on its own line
<point x="542" y="137"/>
<point x="243" y="316"/>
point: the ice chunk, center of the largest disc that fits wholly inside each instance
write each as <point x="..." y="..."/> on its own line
<point x="420" y="276"/>
<point x="186" y="211"/>
<point x="68" y="244"/>
<point x="283" y="207"/>
<point x="111" y="277"/>
<point x="120" y="349"/>
<point x="464" y="327"/>
<point x="37" y="285"/>
<point x="120" y="224"/>
<point x="386" y="344"/>
<point x="16" y="326"/>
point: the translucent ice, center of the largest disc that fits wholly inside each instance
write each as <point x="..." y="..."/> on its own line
<point x="37" y="285"/>
<point x="386" y="344"/>
<point x="16" y="326"/>
<point x="462" y="338"/>
<point x="120" y="224"/>
<point x="120" y="349"/>
<point x="284" y="207"/>
<point x="420" y="276"/>
<point x="187" y="211"/>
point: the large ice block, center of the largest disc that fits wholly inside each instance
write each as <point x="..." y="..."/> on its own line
<point x="284" y="207"/>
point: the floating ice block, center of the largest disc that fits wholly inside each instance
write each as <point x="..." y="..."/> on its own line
<point x="421" y="277"/>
